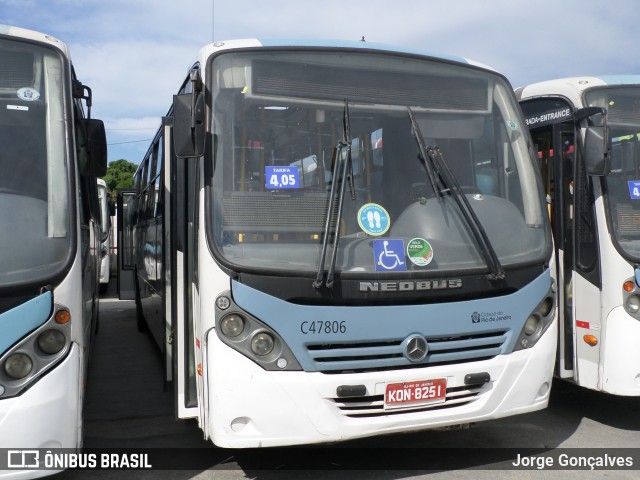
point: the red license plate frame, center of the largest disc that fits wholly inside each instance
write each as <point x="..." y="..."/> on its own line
<point x="415" y="393"/>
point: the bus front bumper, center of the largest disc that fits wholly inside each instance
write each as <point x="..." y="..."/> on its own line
<point x="249" y="407"/>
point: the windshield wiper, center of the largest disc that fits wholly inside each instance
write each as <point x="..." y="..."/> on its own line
<point x="436" y="167"/>
<point x="424" y="157"/>
<point x="338" y="184"/>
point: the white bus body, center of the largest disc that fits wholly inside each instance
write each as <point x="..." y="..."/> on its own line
<point x="594" y="206"/>
<point x="50" y="239"/>
<point x="425" y="318"/>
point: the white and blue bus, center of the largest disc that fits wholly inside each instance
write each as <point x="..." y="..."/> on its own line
<point x="587" y="135"/>
<point x="339" y="241"/>
<point x="50" y="157"/>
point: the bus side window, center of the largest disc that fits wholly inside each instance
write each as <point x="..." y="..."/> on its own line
<point x="144" y="191"/>
<point x="157" y="210"/>
<point x="153" y="181"/>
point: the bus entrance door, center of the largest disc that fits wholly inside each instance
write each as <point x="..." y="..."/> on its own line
<point x="181" y="292"/>
<point x="126" y="259"/>
<point x="555" y="148"/>
<point x="565" y="182"/>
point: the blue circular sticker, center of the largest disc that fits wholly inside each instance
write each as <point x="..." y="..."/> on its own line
<point x="373" y="219"/>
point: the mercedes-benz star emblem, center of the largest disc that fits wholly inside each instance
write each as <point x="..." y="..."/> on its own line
<point x="416" y="348"/>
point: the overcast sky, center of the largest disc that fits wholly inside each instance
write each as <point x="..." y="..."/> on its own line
<point x="134" y="54"/>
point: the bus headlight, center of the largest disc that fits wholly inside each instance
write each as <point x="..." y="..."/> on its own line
<point x="51" y="341"/>
<point x="262" y="344"/>
<point x="531" y="325"/>
<point x="632" y="304"/>
<point x="547" y="306"/>
<point x="18" y="365"/>
<point x="232" y="325"/>
<point x="251" y="337"/>
<point x="537" y="322"/>
<point x="631" y="297"/>
<point x="35" y="354"/>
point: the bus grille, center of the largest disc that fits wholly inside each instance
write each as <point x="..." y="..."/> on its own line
<point x="373" y="405"/>
<point x="375" y="356"/>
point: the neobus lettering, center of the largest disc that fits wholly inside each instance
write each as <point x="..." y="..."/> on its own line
<point x="408" y="286"/>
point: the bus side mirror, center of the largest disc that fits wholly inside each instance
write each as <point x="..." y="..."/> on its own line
<point x="96" y="147"/>
<point x="597" y="151"/>
<point x="188" y="124"/>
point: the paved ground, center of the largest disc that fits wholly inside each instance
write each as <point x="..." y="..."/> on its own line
<point x="127" y="407"/>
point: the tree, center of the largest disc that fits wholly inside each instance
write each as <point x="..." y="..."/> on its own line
<point x="119" y="175"/>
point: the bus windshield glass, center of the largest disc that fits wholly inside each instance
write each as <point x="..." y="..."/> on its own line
<point x="623" y="184"/>
<point x="34" y="218"/>
<point x="282" y="136"/>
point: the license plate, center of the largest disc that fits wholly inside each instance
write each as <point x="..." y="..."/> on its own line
<point x="421" y="392"/>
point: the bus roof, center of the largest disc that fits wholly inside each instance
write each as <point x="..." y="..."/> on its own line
<point x="215" y="47"/>
<point x="572" y="88"/>
<point x="24" y="33"/>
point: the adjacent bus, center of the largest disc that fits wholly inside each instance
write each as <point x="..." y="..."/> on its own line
<point x="50" y="157"/>
<point x="105" y="235"/>
<point x="586" y="131"/>
<point x="339" y="241"/>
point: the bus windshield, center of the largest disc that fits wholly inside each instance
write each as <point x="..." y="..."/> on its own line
<point x="34" y="218"/>
<point x="279" y="144"/>
<point x="623" y="184"/>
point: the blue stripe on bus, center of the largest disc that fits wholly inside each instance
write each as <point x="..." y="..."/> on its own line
<point x="19" y="321"/>
<point x="502" y="316"/>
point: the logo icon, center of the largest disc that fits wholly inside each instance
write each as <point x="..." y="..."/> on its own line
<point x="475" y="317"/>
<point x="373" y="219"/>
<point x="28" y="94"/>
<point x="23" y="459"/>
<point x="419" y="252"/>
<point x="416" y="348"/>
<point x="388" y="255"/>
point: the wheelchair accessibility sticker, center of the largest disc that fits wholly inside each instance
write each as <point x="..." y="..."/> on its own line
<point x="373" y="219"/>
<point x="388" y="255"/>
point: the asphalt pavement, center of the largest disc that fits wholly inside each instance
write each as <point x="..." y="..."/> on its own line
<point x="127" y="406"/>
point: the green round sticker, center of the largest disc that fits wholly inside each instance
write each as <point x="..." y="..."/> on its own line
<point x="420" y="252"/>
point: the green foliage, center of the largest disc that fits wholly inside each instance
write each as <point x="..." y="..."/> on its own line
<point x="119" y="175"/>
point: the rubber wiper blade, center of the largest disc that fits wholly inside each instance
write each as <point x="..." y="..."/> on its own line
<point x="438" y="170"/>
<point x="480" y="234"/>
<point x="346" y="177"/>
<point x="338" y="185"/>
<point x="424" y="157"/>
